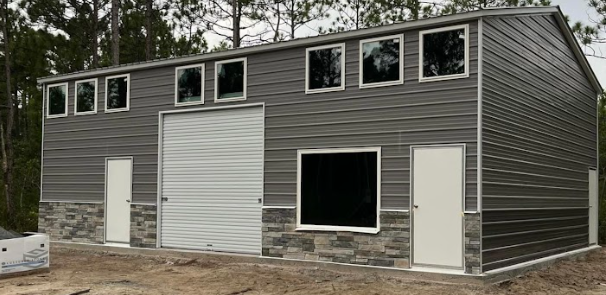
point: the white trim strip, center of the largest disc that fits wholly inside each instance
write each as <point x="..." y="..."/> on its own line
<point x="279" y="207"/>
<point x="479" y="152"/>
<point x="144" y="204"/>
<point x="73" y="202"/>
<point x="540" y="260"/>
<point x="420" y="270"/>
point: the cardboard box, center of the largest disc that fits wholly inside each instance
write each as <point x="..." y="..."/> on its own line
<point x="27" y="253"/>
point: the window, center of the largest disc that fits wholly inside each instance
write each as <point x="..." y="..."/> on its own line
<point x="189" y="85"/>
<point x="117" y="93"/>
<point x="381" y="61"/>
<point x="86" y="97"/>
<point x="56" y="102"/>
<point x="339" y="190"/>
<point x="230" y="80"/>
<point x="444" y="53"/>
<point x="325" y="69"/>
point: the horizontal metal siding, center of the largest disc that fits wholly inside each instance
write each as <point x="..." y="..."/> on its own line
<point x="212" y="176"/>
<point x="538" y="141"/>
<point x="393" y="117"/>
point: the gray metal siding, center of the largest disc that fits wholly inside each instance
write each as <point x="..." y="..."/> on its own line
<point x="538" y="141"/>
<point x="392" y="117"/>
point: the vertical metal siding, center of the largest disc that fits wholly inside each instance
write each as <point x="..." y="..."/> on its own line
<point x="538" y="140"/>
<point x="392" y="117"/>
<point x="212" y="176"/>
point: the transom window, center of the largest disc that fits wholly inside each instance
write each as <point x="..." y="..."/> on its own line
<point x="339" y="190"/>
<point x="230" y="80"/>
<point x="325" y="69"/>
<point x="444" y="53"/>
<point x="86" y="97"/>
<point x="381" y="61"/>
<point x="56" y="102"/>
<point x="117" y="93"/>
<point x="189" y="85"/>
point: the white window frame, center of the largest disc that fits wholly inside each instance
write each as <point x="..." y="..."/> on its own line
<point x="177" y="103"/>
<point x="331" y="89"/>
<point x="94" y="111"/>
<point x="244" y="60"/>
<point x="127" y="108"/>
<point x="48" y="115"/>
<point x="314" y="227"/>
<point x="465" y="27"/>
<point x="401" y="69"/>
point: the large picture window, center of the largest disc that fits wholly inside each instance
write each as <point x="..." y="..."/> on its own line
<point x="230" y="80"/>
<point x="189" y="85"/>
<point x="325" y="69"/>
<point x="117" y="93"/>
<point x="56" y="102"/>
<point x="86" y="97"/>
<point x="339" y="189"/>
<point x="381" y="61"/>
<point x="444" y="53"/>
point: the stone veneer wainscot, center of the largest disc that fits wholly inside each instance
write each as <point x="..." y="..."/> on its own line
<point x="72" y="222"/>
<point x="390" y="247"/>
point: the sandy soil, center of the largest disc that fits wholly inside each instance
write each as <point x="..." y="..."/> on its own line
<point x="102" y="273"/>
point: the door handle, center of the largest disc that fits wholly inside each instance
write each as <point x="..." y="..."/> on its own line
<point x="416" y="206"/>
<point x="128" y="201"/>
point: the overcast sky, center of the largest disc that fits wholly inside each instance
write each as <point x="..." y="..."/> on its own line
<point x="578" y="10"/>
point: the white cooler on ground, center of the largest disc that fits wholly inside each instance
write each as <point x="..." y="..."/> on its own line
<point x="23" y="254"/>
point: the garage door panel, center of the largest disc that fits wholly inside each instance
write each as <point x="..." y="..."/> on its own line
<point x="212" y="177"/>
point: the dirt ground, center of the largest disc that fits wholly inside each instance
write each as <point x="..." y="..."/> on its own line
<point x="74" y="271"/>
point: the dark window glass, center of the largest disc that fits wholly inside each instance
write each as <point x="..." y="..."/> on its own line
<point x="339" y="189"/>
<point x="117" y="89"/>
<point x="444" y="53"/>
<point x="85" y="94"/>
<point x="325" y="68"/>
<point x="57" y="98"/>
<point x="381" y="61"/>
<point x="230" y="80"/>
<point x="189" y="84"/>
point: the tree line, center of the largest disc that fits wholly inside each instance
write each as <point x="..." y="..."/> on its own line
<point x="44" y="37"/>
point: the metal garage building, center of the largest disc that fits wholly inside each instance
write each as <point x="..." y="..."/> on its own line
<point x="462" y="144"/>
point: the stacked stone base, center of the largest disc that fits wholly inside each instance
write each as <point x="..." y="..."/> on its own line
<point x="390" y="247"/>
<point x="72" y="222"/>
<point x="85" y="223"/>
<point x="143" y="226"/>
<point x="472" y="243"/>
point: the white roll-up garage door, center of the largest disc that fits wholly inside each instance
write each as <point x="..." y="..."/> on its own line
<point x="212" y="180"/>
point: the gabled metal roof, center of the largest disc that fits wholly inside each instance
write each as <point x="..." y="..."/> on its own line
<point x="311" y="41"/>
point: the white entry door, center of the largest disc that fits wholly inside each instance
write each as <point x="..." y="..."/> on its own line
<point x="438" y="179"/>
<point x="118" y="189"/>
<point x="593" y="206"/>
